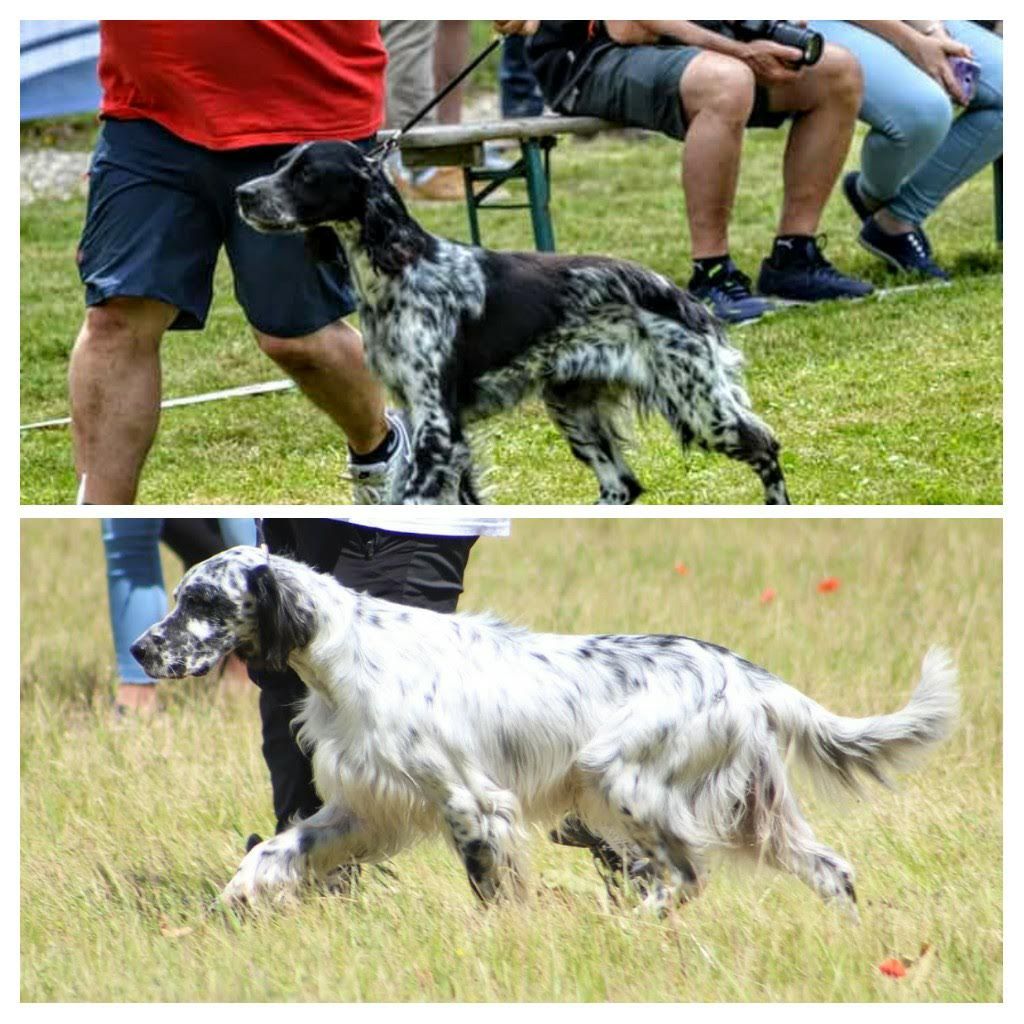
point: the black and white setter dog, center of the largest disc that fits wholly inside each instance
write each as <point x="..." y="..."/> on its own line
<point x="460" y="333"/>
<point x="667" y="748"/>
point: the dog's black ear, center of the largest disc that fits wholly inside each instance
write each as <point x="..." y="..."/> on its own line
<point x="391" y="238"/>
<point x="324" y="246"/>
<point x="282" y="626"/>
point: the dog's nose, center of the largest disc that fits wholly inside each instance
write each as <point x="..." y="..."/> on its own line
<point x="247" y="192"/>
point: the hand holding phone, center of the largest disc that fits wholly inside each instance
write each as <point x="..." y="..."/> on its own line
<point x="966" y="73"/>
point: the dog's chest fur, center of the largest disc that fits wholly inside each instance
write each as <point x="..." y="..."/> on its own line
<point x="486" y="329"/>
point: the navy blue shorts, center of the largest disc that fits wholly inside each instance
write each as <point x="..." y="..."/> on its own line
<point x="159" y="210"/>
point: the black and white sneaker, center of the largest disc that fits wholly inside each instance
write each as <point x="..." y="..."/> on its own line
<point x="380" y="483"/>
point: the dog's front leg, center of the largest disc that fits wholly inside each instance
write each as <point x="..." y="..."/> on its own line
<point x="279" y="868"/>
<point x="439" y="452"/>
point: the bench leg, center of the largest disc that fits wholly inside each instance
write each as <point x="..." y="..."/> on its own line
<point x="471" y="211"/>
<point x="997" y="188"/>
<point x="537" y="188"/>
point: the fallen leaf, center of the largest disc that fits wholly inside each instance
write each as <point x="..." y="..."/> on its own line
<point x="828" y="584"/>
<point x="768" y="595"/>
<point x="893" y="968"/>
<point x="172" y="933"/>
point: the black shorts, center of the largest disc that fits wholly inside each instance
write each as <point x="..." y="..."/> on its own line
<point x="159" y="211"/>
<point x="639" y="86"/>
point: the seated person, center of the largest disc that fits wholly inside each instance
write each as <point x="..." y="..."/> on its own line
<point x="696" y="82"/>
<point x="918" y="151"/>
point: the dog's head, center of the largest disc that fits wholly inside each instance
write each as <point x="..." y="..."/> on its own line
<point x="319" y="184"/>
<point x="232" y="602"/>
<point x="315" y="183"/>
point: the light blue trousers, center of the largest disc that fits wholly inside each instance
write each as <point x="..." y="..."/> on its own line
<point x="918" y="151"/>
<point x="135" y="581"/>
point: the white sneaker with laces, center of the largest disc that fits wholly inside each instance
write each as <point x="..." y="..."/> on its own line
<point x="379" y="483"/>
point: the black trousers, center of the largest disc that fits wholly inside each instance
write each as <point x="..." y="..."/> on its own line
<point x="413" y="569"/>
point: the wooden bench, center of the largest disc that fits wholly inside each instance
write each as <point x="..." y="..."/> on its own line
<point x="462" y="145"/>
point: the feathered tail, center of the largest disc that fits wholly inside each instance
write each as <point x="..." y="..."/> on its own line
<point x="843" y="749"/>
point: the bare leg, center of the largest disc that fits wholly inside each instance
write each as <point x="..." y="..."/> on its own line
<point x="451" y="52"/>
<point x="826" y="98"/>
<point x="329" y="367"/>
<point x="139" y="698"/>
<point x="717" y="93"/>
<point x="114" y="381"/>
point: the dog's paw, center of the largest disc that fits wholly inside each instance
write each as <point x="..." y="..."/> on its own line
<point x="272" y="872"/>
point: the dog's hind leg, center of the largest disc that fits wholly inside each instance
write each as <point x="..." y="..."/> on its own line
<point x="484" y="830"/>
<point x="749" y="440"/>
<point x="584" y="413"/>
<point x="633" y="816"/>
<point x="620" y="867"/>
<point x="775" y="830"/>
<point x="712" y="415"/>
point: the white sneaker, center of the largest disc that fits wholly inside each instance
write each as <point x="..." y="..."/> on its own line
<point x="380" y="483"/>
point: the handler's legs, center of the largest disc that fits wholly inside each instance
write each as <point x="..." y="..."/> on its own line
<point x="114" y="382"/>
<point x="329" y="368"/>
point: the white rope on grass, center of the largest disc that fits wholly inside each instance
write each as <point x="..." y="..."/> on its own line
<point x="267" y="387"/>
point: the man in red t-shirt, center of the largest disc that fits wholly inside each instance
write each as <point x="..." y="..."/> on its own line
<point x="190" y="110"/>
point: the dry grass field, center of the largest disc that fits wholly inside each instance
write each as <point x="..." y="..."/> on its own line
<point x="129" y="829"/>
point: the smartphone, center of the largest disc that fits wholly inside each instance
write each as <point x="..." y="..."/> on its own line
<point x="966" y="72"/>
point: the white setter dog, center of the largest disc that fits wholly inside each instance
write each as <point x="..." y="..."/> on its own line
<point x="668" y="748"/>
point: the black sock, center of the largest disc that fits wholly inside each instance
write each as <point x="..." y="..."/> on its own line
<point x="705" y="267"/>
<point x="790" y="249"/>
<point x="381" y="453"/>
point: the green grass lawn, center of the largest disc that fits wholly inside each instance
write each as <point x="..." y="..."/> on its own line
<point x="128" y="830"/>
<point x="894" y="400"/>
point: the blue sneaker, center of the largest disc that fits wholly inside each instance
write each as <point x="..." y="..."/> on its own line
<point x="806" y="276"/>
<point x="727" y="291"/>
<point x="910" y="252"/>
<point x="853" y="196"/>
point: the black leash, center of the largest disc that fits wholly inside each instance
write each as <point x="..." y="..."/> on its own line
<point x="380" y="152"/>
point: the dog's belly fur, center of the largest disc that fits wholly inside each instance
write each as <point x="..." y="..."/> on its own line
<point x="538" y="736"/>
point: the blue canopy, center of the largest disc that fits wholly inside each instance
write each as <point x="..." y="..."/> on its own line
<point x="58" y="68"/>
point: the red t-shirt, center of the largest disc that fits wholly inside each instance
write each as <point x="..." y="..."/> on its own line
<point x="229" y="84"/>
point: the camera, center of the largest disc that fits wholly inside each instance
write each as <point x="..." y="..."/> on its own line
<point x="785" y="33"/>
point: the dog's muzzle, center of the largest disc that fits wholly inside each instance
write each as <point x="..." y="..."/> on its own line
<point x="151" y="652"/>
<point x="260" y="207"/>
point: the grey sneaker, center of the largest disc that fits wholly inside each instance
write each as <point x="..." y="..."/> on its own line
<point x="379" y="483"/>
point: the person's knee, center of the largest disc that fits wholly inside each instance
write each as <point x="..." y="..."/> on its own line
<point x="920" y="122"/>
<point x="714" y="83"/>
<point x="840" y="78"/>
<point x="337" y="345"/>
<point x="123" y="324"/>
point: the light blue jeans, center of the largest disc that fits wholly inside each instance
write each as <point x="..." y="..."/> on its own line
<point x="135" y="581"/>
<point x="918" y="151"/>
